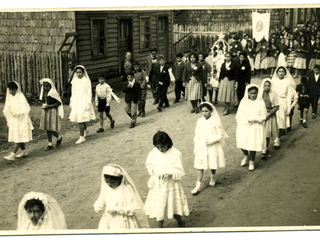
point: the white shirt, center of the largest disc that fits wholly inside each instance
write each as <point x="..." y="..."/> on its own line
<point x="316" y="77"/>
<point x="161" y="67"/>
<point x="103" y="91"/>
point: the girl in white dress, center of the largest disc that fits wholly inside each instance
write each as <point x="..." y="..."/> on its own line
<point x="282" y="82"/>
<point x="121" y="200"/>
<point x="250" y="118"/>
<point x="39" y="211"/>
<point x="166" y="194"/>
<point x="80" y="102"/>
<point x="208" y="141"/>
<point x="16" y="111"/>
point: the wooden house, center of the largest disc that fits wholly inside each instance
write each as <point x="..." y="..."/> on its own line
<point x="35" y="45"/>
<point x="103" y="38"/>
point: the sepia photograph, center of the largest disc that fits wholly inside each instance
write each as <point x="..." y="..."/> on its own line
<point x="123" y="120"/>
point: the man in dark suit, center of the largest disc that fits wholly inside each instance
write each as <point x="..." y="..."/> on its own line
<point x="162" y="79"/>
<point x="126" y="66"/>
<point x="314" y="82"/>
<point x="152" y="63"/>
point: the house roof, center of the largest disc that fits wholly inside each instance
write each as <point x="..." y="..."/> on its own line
<point x="34" y="31"/>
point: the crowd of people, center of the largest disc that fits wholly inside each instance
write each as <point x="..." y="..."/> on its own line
<point x="223" y="75"/>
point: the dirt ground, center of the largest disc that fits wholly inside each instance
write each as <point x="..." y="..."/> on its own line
<point x="71" y="173"/>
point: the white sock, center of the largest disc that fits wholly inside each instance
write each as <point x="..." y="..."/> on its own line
<point x="304" y="121"/>
<point x="50" y="144"/>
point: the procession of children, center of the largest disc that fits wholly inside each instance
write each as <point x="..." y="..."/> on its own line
<point x="222" y="76"/>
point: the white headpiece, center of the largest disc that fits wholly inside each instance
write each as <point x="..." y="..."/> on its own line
<point x="52" y="93"/>
<point x="51" y="219"/>
<point x="18" y="102"/>
<point x="288" y="76"/>
<point x="117" y="171"/>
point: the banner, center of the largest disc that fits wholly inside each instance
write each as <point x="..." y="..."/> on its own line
<point x="260" y="26"/>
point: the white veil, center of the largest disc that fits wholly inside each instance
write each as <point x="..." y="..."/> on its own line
<point x="52" y="218"/>
<point x="16" y="104"/>
<point x="216" y="117"/>
<point x="85" y="74"/>
<point x="52" y="93"/>
<point x="116" y="170"/>
<point x="287" y="76"/>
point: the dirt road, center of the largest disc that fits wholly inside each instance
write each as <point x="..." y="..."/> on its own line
<point x="71" y="174"/>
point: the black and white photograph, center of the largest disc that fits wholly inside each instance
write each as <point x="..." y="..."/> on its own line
<point x="182" y="120"/>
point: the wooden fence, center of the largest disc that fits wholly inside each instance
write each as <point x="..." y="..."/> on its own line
<point x="202" y="37"/>
<point x="28" y="68"/>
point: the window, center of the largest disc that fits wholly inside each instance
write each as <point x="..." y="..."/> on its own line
<point x="98" y="37"/>
<point x="145" y="33"/>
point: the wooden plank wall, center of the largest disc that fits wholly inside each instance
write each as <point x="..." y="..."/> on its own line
<point x="111" y="61"/>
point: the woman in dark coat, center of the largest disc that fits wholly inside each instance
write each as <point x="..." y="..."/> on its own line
<point x="228" y="78"/>
<point x="193" y="78"/>
<point x="244" y="76"/>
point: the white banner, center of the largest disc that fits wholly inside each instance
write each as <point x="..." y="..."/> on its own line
<point x="260" y="26"/>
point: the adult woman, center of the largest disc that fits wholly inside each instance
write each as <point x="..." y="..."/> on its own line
<point x="292" y="47"/>
<point x="272" y="55"/>
<point x="228" y="78"/>
<point x="271" y="100"/>
<point x="206" y="72"/>
<point x="261" y="61"/>
<point x="244" y="76"/>
<point x="193" y="78"/>
<point x="80" y="102"/>
<point x="250" y="120"/>
<point x="282" y="80"/>
<point x="39" y="211"/>
<point x="300" y="62"/>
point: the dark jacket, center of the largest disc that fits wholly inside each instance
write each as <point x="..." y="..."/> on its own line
<point x="149" y="65"/>
<point x="188" y="72"/>
<point x="162" y="76"/>
<point x="131" y="94"/>
<point x="314" y="86"/>
<point x="232" y="73"/>
<point x="244" y="75"/>
<point x="123" y="74"/>
<point x="178" y="71"/>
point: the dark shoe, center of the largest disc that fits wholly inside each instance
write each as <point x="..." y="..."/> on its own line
<point x="112" y="123"/>
<point x="59" y="142"/>
<point x="305" y="125"/>
<point x="288" y="129"/>
<point x="197" y="110"/>
<point x="48" y="148"/>
<point x="300" y="122"/>
<point x="132" y="125"/>
<point x="159" y="109"/>
<point x="165" y="106"/>
<point x="176" y="101"/>
<point x="192" y="111"/>
<point x="143" y="114"/>
<point x="225" y="113"/>
<point x="139" y="114"/>
<point x="313" y="116"/>
<point x="155" y="102"/>
<point x="100" y="130"/>
<point x="264" y="156"/>
<point x="235" y="106"/>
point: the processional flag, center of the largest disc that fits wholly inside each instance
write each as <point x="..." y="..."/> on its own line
<point x="260" y="26"/>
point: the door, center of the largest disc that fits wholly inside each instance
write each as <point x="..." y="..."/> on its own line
<point x="125" y="38"/>
<point x="163" y="36"/>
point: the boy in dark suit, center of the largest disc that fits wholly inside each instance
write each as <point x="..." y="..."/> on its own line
<point x="163" y="81"/>
<point x="132" y="91"/>
<point x="177" y="73"/>
<point x="314" y="82"/>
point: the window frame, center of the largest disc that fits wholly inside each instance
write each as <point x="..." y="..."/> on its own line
<point x="140" y="33"/>
<point x="92" y="37"/>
